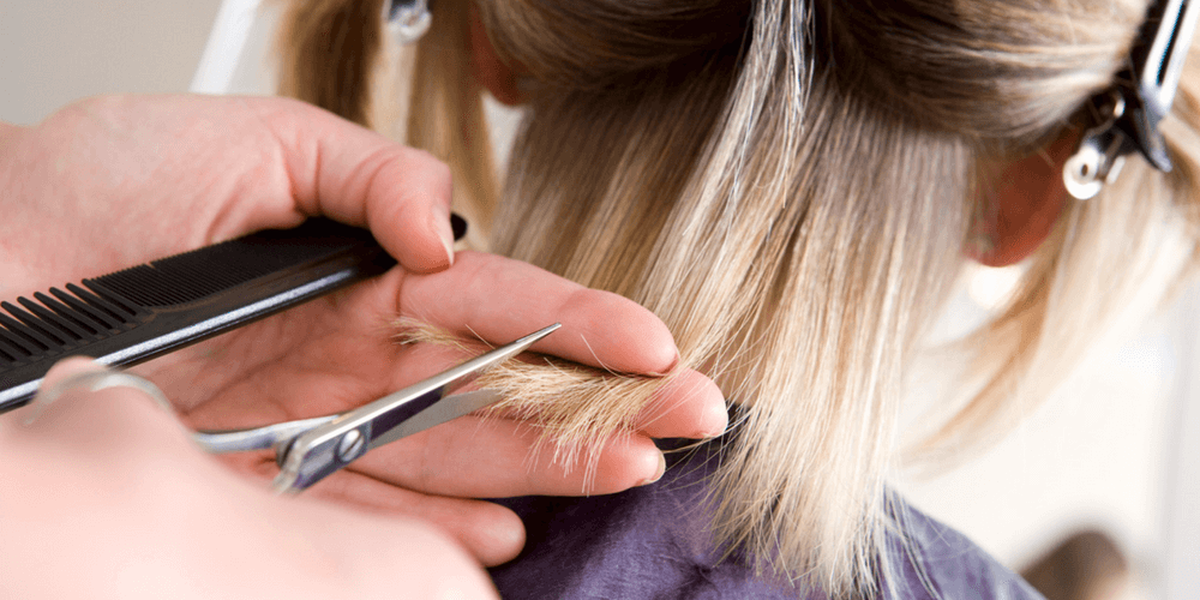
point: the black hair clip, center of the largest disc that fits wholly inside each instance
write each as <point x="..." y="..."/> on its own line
<point x="1128" y="113"/>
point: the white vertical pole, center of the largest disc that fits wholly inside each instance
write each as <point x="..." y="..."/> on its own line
<point x="226" y="46"/>
<point x="1180" y="575"/>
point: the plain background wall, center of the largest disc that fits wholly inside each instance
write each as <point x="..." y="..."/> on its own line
<point x="56" y="51"/>
<point x="1095" y="455"/>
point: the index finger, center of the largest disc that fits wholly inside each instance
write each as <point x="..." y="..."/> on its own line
<point x="501" y="299"/>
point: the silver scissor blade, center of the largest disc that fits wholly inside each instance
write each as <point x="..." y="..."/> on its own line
<point x="391" y="411"/>
<point x="448" y="409"/>
<point x="321" y="451"/>
<point x="257" y="438"/>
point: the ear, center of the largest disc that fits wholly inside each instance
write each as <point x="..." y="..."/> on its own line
<point x="496" y="77"/>
<point x="1022" y="201"/>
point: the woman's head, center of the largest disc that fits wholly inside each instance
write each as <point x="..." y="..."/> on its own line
<point x="791" y="186"/>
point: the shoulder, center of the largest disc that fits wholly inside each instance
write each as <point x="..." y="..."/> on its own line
<point x="928" y="559"/>
<point x="654" y="543"/>
<point x="648" y="543"/>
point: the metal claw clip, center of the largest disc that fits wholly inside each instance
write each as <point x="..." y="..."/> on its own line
<point x="1127" y="115"/>
<point x="309" y="450"/>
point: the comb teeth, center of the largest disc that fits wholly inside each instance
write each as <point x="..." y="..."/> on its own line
<point x="134" y="315"/>
<point x="52" y="324"/>
<point x="56" y="323"/>
<point x="191" y="276"/>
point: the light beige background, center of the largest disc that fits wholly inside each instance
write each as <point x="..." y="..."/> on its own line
<point x="56" y="51"/>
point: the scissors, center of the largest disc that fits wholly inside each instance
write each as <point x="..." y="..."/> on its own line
<point x="309" y="450"/>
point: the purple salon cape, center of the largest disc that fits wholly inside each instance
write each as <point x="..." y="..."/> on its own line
<point x="651" y="543"/>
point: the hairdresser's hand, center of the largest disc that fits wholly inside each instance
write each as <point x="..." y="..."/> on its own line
<point x="336" y="353"/>
<point x="104" y="496"/>
<point x="113" y="182"/>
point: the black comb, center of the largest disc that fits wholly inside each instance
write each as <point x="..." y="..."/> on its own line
<point x="149" y="310"/>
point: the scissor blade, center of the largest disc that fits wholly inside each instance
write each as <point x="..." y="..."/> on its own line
<point x="324" y="449"/>
<point x="257" y="438"/>
<point x="448" y="409"/>
<point x="391" y="411"/>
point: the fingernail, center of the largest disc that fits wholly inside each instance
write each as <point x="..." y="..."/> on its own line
<point x="662" y="468"/>
<point x="445" y="232"/>
<point x="718" y="416"/>
<point x="449" y="246"/>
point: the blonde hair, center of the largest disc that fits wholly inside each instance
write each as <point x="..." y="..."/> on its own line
<point x="789" y="186"/>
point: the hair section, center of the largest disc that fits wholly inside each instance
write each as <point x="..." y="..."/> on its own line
<point x="788" y="185"/>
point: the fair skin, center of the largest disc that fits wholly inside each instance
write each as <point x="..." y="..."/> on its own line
<point x="112" y="182"/>
<point x="106" y="497"/>
<point x="1026" y="197"/>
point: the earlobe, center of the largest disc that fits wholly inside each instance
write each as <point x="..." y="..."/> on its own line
<point x="1021" y="204"/>
<point x="487" y="68"/>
